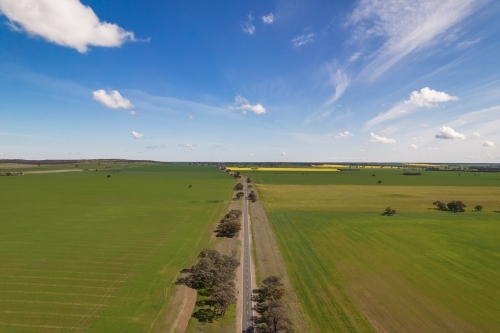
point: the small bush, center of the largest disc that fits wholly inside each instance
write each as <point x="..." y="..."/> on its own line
<point x="389" y="212"/>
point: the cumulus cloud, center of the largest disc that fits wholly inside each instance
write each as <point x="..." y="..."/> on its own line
<point x="404" y="27"/>
<point x="190" y="116"/>
<point x="380" y="139"/>
<point x="301" y="40"/>
<point x="137" y="135"/>
<point x="413" y="147"/>
<point x="343" y="135"/>
<point x="434" y="148"/>
<point x="487" y="143"/>
<point x="429" y="97"/>
<point x="67" y="23"/>
<point x="112" y="99"/>
<point x="248" y="26"/>
<point x="426" y="97"/>
<point x="476" y="134"/>
<point x="449" y="133"/>
<point x="241" y="103"/>
<point x="282" y="154"/>
<point x="268" y="19"/>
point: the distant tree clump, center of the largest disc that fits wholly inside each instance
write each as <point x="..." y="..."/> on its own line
<point x="478" y="208"/>
<point x="249" y="180"/>
<point x="274" y="316"/>
<point x="379" y="182"/>
<point x="456" y="206"/>
<point x="240" y="195"/>
<point x="373" y="175"/>
<point x="108" y="176"/>
<point x="252" y="196"/>
<point x="238" y="187"/>
<point x="412" y="173"/>
<point x="230" y="225"/>
<point x="389" y="212"/>
<point x="440" y="205"/>
<point x="214" y="274"/>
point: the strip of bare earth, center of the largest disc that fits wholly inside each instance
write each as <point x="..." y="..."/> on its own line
<point x="268" y="261"/>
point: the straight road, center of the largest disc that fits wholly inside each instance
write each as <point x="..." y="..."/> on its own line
<point x="247" y="315"/>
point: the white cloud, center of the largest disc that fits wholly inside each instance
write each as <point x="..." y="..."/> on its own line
<point x="268" y="19"/>
<point x="417" y="138"/>
<point x="433" y="148"/>
<point x="242" y="104"/>
<point x="355" y="56"/>
<point x="282" y="154"/>
<point x="406" y="27"/>
<point x="112" y="99"/>
<point x="413" y="147"/>
<point x="449" y="134"/>
<point x="190" y="116"/>
<point x="187" y="145"/>
<point x="476" y="134"/>
<point x="68" y="23"/>
<point x="137" y="135"/>
<point x="248" y="26"/>
<point x="393" y="149"/>
<point x="340" y="81"/>
<point x="466" y="43"/>
<point x="132" y="112"/>
<point x="487" y="143"/>
<point x="343" y="135"/>
<point x="361" y="150"/>
<point x="429" y="97"/>
<point x="380" y="139"/>
<point x="250" y="154"/>
<point x="301" y="40"/>
<point x="425" y="98"/>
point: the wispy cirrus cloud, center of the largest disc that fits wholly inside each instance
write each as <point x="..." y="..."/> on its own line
<point x="73" y="24"/>
<point x="426" y="97"/>
<point x="248" y="26"/>
<point x="405" y="26"/>
<point x="302" y="40"/>
<point x="339" y="80"/>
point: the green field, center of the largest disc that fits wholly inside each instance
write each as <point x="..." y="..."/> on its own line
<point x="387" y="176"/>
<point x="421" y="270"/>
<point x="81" y="252"/>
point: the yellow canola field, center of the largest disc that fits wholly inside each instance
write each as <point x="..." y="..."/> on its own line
<point x="282" y="169"/>
<point x="423" y="165"/>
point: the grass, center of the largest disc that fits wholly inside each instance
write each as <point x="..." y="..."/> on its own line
<point x="418" y="272"/>
<point x="389" y="177"/>
<point x="82" y="252"/>
<point x="292" y="169"/>
<point x="422" y="270"/>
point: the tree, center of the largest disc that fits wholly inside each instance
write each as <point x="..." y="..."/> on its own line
<point x="275" y="319"/>
<point x="240" y="195"/>
<point x="272" y="289"/>
<point x="379" y="181"/>
<point x="478" y="208"/>
<point x="238" y="187"/>
<point x="222" y="296"/>
<point x="252" y="196"/>
<point x="440" y="205"/>
<point x="373" y="175"/>
<point x="389" y="212"/>
<point x="456" y="206"/>
<point x="249" y="180"/>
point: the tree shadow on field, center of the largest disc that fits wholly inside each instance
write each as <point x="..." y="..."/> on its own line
<point x="205" y="315"/>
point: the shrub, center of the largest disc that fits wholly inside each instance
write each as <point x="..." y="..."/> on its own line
<point x="389" y="212"/>
<point x="478" y="208"/>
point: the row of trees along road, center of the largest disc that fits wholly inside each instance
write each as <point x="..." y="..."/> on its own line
<point x="213" y="276"/>
<point x="230" y="225"/>
<point x="274" y="316"/>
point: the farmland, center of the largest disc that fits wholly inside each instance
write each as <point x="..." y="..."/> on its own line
<point x="83" y="252"/>
<point x="421" y="270"/>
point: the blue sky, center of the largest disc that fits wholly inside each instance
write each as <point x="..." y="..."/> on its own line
<point x="369" y="80"/>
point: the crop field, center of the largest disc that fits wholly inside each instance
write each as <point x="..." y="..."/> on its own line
<point x="422" y="270"/>
<point x="386" y="176"/>
<point x="81" y="252"/>
<point x="291" y="169"/>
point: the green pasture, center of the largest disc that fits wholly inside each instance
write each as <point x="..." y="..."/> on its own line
<point x="422" y="270"/>
<point x="415" y="272"/>
<point x="81" y="252"/>
<point x="387" y="176"/>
